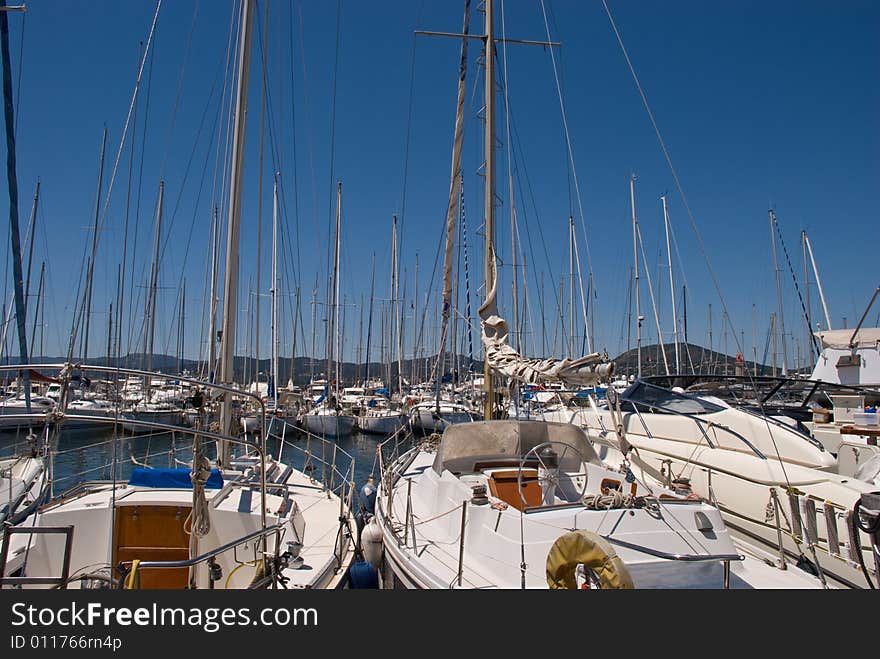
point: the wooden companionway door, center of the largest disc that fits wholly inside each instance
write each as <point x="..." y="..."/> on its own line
<point x="153" y="533"/>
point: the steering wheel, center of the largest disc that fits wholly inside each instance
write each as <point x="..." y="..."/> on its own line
<point x="552" y="471"/>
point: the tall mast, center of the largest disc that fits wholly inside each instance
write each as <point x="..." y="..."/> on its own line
<point x="489" y="197"/>
<point x="415" y="319"/>
<point x="635" y="225"/>
<point x="398" y="316"/>
<point x="212" y="319"/>
<point x="754" y="341"/>
<point x="38" y="305"/>
<point x="773" y="334"/>
<point x="154" y="286"/>
<point x="33" y="230"/>
<point x="711" y="345"/>
<point x="274" y="391"/>
<point x="778" y="292"/>
<point x="181" y="327"/>
<point x="392" y="294"/>
<point x="314" y="318"/>
<point x="296" y="323"/>
<point x="818" y="281"/>
<point x="230" y="284"/>
<point x="370" y="322"/>
<point x="810" y="339"/>
<point x="571" y="347"/>
<point x="109" y="333"/>
<point x="91" y="272"/>
<point x="331" y="330"/>
<point x="671" y="287"/>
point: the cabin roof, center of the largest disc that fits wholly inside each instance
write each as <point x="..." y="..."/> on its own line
<point x="466" y="445"/>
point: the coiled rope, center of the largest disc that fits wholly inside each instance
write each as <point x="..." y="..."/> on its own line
<point x="615" y="499"/>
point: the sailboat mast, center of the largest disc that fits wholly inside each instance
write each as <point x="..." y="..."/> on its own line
<point x="398" y="312"/>
<point x="275" y="292"/>
<point x="415" y="319"/>
<point x="33" y="229"/>
<point x="88" y="314"/>
<point x="181" y="327"/>
<point x="635" y="224"/>
<point x="154" y="284"/>
<point x="38" y="306"/>
<point x="571" y="342"/>
<point x="230" y="295"/>
<point x="392" y="315"/>
<point x="212" y="320"/>
<point x="370" y="322"/>
<point x="489" y="197"/>
<point x="778" y="292"/>
<point x="671" y="287"/>
<point x="296" y="323"/>
<point x="331" y="333"/>
<point x="312" y="354"/>
<point x="818" y="281"/>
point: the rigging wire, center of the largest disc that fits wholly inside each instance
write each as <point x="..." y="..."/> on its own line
<point x="797" y="289"/>
<point x="128" y="120"/>
<point x="137" y="213"/>
<point x="180" y="80"/>
<point x="693" y="226"/>
<point x="406" y="144"/>
<point x="568" y="142"/>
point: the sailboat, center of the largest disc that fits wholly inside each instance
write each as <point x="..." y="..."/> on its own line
<point x="529" y="504"/>
<point x="328" y="418"/>
<point x="147" y="406"/>
<point x="378" y="415"/>
<point x="249" y="520"/>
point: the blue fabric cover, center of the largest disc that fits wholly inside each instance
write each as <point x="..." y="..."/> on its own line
<point x="362" y="575"/>
<point x="171" y="478"/>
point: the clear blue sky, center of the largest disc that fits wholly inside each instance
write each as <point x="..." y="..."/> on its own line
<point x="760" y="103"/>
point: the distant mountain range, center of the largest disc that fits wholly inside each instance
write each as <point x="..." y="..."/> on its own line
<point x="692" y="357"/>
<point x="702" y="359"/>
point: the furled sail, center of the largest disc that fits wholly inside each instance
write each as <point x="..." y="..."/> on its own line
<point x="506" y="361"/>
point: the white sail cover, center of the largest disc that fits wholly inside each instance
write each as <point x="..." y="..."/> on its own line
<point x="506" y="361"/>
<point x="865" y="337"/>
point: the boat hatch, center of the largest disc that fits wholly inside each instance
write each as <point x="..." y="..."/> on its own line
<point x="153" y="533"/>
<point x="504" y="484"/>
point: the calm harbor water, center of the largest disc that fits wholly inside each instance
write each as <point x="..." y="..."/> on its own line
<point x="87" y="455"/>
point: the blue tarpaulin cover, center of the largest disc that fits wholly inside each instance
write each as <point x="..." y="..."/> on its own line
<point x="171" y="478"/>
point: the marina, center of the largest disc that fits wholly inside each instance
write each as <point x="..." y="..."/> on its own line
<point x="342" y="412"/>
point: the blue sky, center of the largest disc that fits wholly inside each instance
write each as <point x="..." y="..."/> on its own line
<point x="760" y="103"/>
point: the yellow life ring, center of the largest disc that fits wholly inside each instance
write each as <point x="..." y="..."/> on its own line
<point x="594" y="553"/>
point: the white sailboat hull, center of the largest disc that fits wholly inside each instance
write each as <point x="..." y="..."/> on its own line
<point x="387" y="424"/>
<point x="168" y="417"/>
<point x="329" y="425"/>
<point x="423" y="419"/>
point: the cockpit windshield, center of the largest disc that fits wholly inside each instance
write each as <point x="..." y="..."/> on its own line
<point x="651" y="398"/>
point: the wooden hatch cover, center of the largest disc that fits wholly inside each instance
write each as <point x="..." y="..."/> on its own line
<point x="504" y="484"/>
<point x="153" y="533"/>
